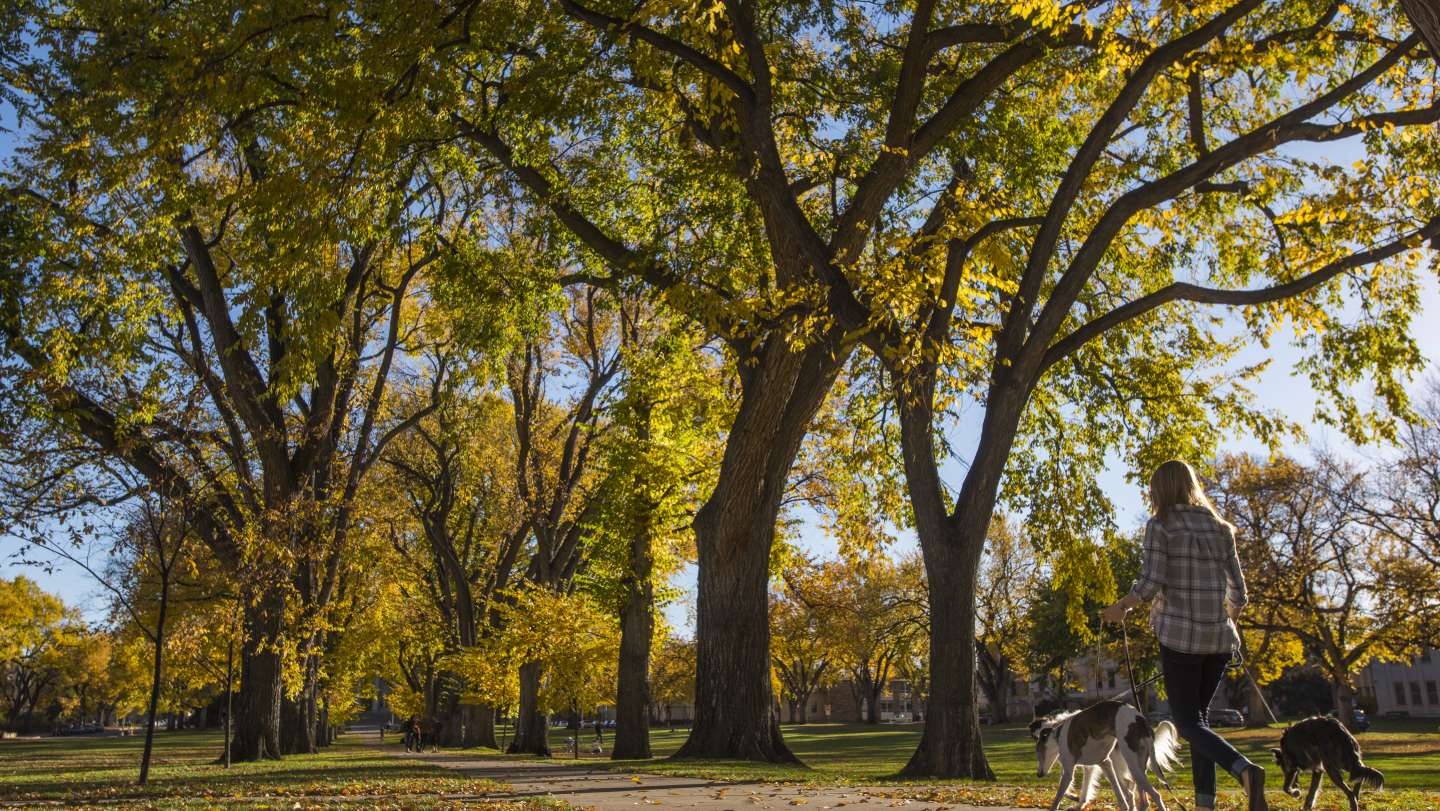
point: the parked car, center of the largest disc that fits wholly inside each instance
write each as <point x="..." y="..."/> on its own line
<point x="1362" y="721"/>
<point x="1226" y="717"/>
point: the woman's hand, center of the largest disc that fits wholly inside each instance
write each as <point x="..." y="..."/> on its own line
<point x="1115" y="614"/>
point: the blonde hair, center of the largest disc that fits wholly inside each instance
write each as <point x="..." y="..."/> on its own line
<point x="1174" y="483"/>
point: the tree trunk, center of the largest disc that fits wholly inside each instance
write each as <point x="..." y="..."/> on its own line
<point x="1001" y="712"/>
<point x="257" y="722"/>
<point x="1257" y="714"/>
<point x="734" y="530"/>
<point x="637" y="627"/>
<point x="297" y="726"/>
<point x="950" y="746"/>
<point x="155" y="681"/>
<point x="994" y="681"/>
<point x="229" y="697"/>
<point x="952" y="543"/>
<point x="872" y="698"/>
<point x="479" y="726"/>
<point x="530" y="728"/>
<point x="1344" y="697"/>
<point x="450" y="712"/>
<point x="298" y="714"/>
<point x="1425" y="16"/>
<point x="734" y="718"/>
<point x="324" y="734"/>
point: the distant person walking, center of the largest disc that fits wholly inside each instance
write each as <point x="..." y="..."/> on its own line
<point x="1191" y="576"/>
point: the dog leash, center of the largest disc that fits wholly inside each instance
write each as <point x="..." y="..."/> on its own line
<point x="1254" y="682"/>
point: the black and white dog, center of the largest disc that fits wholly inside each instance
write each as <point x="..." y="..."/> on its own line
<point x="1324" y="743"/>
<point x="1109" y="737"/>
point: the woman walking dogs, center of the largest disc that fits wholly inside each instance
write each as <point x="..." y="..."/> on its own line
<point x="1191" y="576"/>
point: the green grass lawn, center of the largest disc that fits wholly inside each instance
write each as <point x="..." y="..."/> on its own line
<point x="184" y="774"/>
<point x="1407" y="751"/>
<point x="81" y="770"/>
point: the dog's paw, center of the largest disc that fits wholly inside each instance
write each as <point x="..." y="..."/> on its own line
<point x="1293" y="792"/>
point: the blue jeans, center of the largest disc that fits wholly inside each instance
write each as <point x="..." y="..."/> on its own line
<point x="1190" y="682"/>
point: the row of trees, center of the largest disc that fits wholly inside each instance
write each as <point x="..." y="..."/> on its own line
<point x="860" y="621"/>
<point x="283" y="267"/>
<point x="56" y="670"/>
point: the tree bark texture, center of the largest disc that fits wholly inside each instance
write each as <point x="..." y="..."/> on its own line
<point x="950" y="744"/>
<point x="257" y="713"/>
<point x="637" y="628"/>
<point x="530" y="728"/>
<point x="734" y="707"/>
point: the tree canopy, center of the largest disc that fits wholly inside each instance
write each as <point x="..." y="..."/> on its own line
<point x="528" y="302"/>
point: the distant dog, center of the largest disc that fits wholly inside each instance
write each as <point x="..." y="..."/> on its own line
<point x="1107" y="736"/>
<point x="1324" y="743"/>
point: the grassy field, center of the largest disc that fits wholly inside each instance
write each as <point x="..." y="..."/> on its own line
<point x="91" y="770"/>
<point x="184" y="774"/>
<point x="1407" y="751"/>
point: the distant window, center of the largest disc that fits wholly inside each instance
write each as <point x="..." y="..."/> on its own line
<point x="1415" y="693"/>
<point x="1399" y="694"/>
<point x="1431" y="693"/>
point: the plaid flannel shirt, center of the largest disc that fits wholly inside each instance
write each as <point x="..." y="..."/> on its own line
<point x="1189" y="573"/>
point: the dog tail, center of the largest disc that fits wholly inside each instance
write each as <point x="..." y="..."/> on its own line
<point x="1368" y="777"/>
<point x="1164" y="748"/>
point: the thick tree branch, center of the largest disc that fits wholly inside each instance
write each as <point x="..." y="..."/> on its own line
<point x="616" y="253"/>
<point x="1183" y="291"/>
<point x="242" y="377"/>
<point x="1288" y="127"/>
<point x="674" y="47"/>
<point x="958" y="252"/>
<point x="1425" y="16"/>
<point x="99" y="425"/>
<point x="1043" y="249"/>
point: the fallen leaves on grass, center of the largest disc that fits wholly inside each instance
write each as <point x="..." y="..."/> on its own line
<point x="1034" y="797"/>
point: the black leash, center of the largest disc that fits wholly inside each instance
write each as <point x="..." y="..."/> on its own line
<point x="1254" y="682"/>
<point x="1130" y="668"/>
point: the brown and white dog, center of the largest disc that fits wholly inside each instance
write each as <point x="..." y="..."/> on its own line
<point x="1113" y="738"/>
<point x="1324" y="743"/>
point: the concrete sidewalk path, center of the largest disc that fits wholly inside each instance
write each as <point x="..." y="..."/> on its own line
<point x="585" y="786"/>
